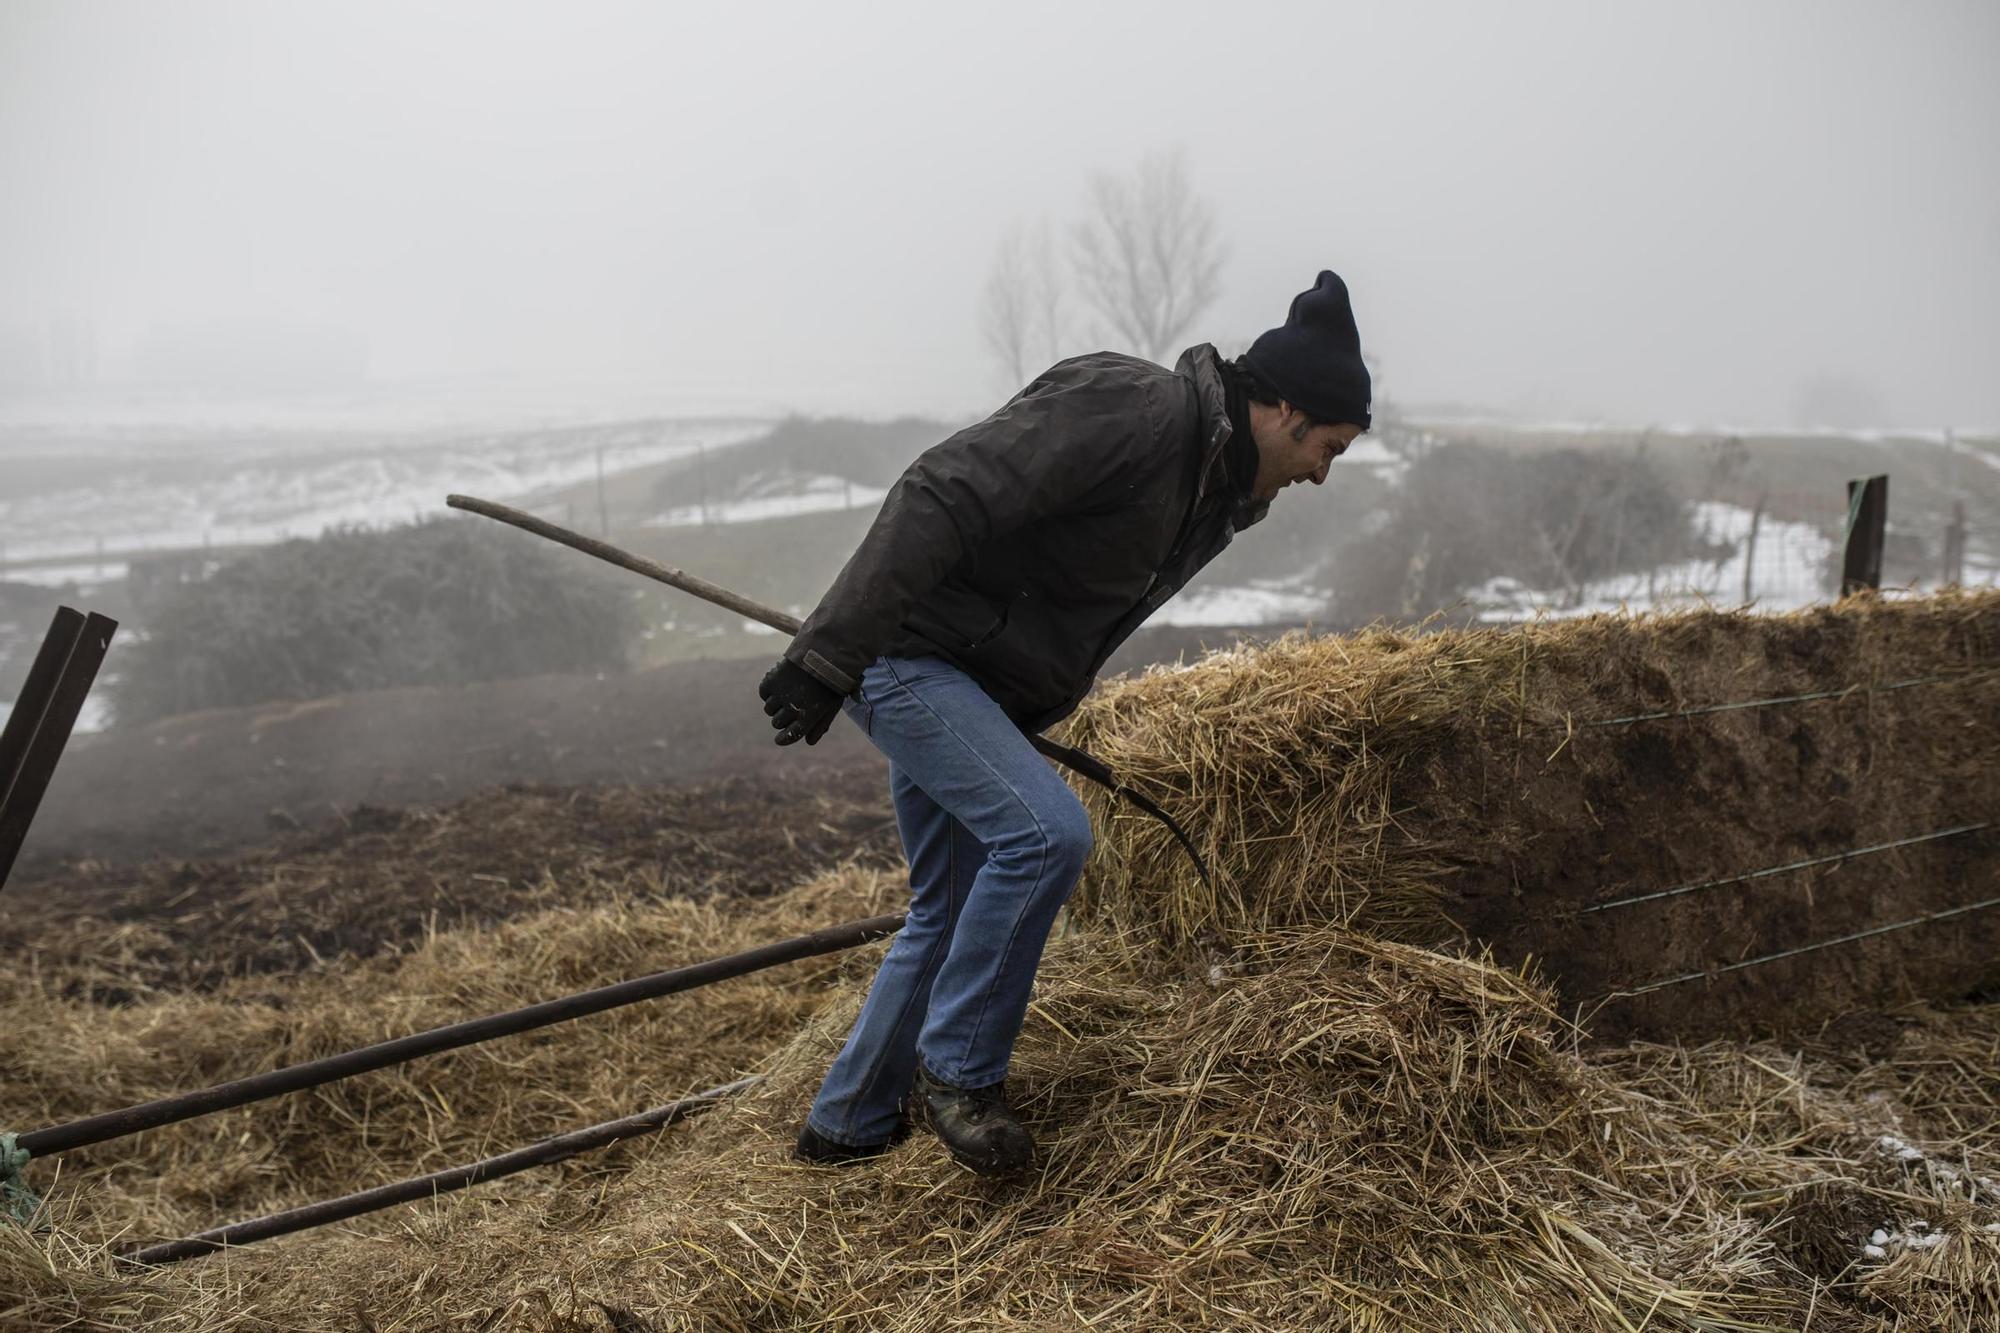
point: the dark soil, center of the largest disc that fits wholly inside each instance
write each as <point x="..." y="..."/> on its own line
<point x="205" y="784"/>
<point x="382" y="877"/>
<point x="291" y="836"/>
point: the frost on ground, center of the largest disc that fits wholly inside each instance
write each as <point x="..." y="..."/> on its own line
<point x="1891" y="1239"/>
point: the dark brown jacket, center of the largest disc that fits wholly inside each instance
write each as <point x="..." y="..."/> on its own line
<point x="1026" y="548"/>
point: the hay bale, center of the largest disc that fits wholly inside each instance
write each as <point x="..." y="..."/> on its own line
<point x="1428" y="785"/>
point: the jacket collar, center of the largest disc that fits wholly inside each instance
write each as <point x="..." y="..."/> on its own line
<point x="1201" y="365"/>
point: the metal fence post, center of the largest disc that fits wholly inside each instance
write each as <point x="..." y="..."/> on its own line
<point x="1867" y="522"/>
<point x="40" y="725"/>
<point x="33" y="700"/>
<point x="1750" y="549"/>
<point x="1954" y="546"/>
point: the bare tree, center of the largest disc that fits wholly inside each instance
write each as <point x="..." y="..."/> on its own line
<point x="1147" y="258"/>
<point x="1045" y="292"/>
<point x="1004" y="316"/>
<point x="1022" y="316"/>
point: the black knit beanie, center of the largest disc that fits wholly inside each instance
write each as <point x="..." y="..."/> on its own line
<point x="1313" y="360"/>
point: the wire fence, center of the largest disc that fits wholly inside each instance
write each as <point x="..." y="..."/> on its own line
<point x="1968" y="672"/>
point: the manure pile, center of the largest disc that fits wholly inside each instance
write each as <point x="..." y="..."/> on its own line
<point x="1301" y="1103"/>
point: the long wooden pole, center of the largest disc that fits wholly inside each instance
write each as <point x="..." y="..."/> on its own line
<point x="638" y="564"/>
<point x="1072" y="758"/>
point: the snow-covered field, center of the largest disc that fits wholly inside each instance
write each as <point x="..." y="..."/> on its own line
<point x="1788" y="569"/>
<point x="246" y="493"/>
<point x="805" y="495"/>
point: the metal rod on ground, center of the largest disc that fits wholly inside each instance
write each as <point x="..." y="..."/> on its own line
<point x="1075" y="759"/>
<point x="51" y="734"/>
<point x="314" y="1073"/>
<point x="545" y="1153"/>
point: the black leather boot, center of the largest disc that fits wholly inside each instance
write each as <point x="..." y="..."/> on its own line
<point x="976" y="1124"/>
<point x="815" y="1147"/>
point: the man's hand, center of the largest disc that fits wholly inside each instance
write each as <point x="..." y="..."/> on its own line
<point x="798" y="703"/>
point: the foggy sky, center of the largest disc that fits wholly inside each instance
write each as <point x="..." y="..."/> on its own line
<point x="1672" y="213"/>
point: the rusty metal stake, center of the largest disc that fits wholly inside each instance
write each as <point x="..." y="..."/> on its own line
<point x="42" y="718"/>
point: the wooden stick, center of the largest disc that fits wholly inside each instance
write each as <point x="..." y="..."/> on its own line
<point x="638" y="564"/>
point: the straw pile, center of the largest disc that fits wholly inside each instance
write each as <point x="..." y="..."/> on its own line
<point x="1261" y="1109"/>
<point x="1344" y="1133"/>
<point x="69" y="1058"/>
<point x="1463" y="784"/>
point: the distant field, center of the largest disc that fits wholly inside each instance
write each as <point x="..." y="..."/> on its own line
<point x="786" y="502"/>
<point x="165" y="492"/>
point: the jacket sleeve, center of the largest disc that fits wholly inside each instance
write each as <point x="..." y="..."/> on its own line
<point x="1059" y="445"/>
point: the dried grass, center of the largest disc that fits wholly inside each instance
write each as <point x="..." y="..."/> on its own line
<point x="428" y="1114"/>
<point x="1312" y="1127"/>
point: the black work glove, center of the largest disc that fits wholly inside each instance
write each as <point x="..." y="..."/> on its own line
<point x="799" y="703"/>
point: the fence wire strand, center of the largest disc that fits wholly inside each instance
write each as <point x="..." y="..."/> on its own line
<point x="1788" y="698"/>
<point x="1781" y="869"/>
<point x="1662" y="984"/>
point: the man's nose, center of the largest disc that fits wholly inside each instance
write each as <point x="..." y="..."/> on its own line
<point x="1319" y="475"/>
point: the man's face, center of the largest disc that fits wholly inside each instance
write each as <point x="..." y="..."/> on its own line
<point x="1290" y="449"/>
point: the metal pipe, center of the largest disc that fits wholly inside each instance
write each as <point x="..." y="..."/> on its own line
<point x="314" y="1073"/>
<point x="548" y="1151"/>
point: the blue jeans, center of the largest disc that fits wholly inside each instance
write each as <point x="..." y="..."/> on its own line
<point x="995" y="840"/>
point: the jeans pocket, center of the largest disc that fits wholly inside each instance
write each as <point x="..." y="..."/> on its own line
<point x="857" y="707"/>
<point x="902" y="672"/>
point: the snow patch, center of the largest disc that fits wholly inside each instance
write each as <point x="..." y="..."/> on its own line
<point x="1788" y="571"/>
<point x="808" y="495"/>
<point x="253" y="495"/>
<point x="1259" y="604"/>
